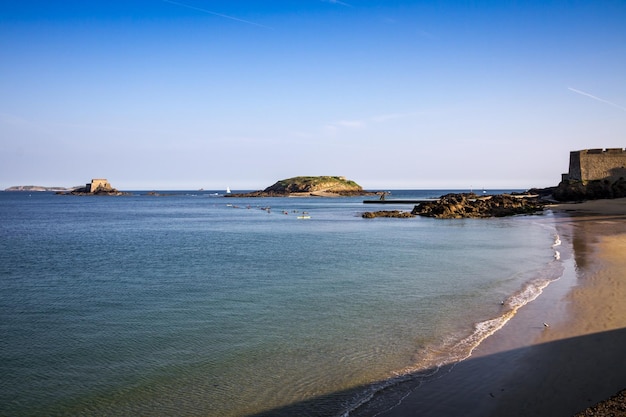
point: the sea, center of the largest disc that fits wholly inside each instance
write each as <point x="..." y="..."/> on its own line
<point x="193" y="304"/>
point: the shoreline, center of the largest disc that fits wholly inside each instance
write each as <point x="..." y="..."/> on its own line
<point x="560" y="354"/>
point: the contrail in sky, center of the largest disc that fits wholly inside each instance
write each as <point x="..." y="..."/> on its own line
<point x="216" y="14"/>
<point x="596" y="98"/>
<point x="337" y="2"/>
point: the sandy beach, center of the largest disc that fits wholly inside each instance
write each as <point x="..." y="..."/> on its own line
<point x="559" y="355"/>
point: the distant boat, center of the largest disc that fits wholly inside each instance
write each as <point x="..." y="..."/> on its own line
<point x="304" y="217"/>
<point x="227" y="190"/>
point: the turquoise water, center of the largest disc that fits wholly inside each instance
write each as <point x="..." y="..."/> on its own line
<point x="194" y="304"/>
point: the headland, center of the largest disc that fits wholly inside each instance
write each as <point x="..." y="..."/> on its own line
<point x="36" y="188"/>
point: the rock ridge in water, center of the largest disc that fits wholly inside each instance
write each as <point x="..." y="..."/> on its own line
<point x="35" y="188"/>
<point x="470" y="205"/>
<point x="387" y="213"/>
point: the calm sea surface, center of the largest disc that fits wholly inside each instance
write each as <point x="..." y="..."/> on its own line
<point x="189" y="303"/>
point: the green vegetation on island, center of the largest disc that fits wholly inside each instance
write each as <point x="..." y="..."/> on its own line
<point x="321" y="186"/>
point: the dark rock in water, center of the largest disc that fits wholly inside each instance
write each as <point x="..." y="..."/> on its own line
<point x="470" y="205"/>
<point x="387" y="213"/>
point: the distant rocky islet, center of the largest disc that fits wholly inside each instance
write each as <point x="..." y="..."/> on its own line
<point x="320" y="186"/>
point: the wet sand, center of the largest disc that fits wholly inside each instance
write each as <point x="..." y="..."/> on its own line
<point x="560" y="354"/>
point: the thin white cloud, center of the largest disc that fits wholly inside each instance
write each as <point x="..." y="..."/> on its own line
<point x="387" y="117"/>
<point x="342" y="125"/>
<point x="216" y="14"/>
<point x="596" y="98"/>
<point x="354" y="124"/>
<point x="360" y="124"/>
<point x="341" y="3"/>
<point x="351" y="124"/>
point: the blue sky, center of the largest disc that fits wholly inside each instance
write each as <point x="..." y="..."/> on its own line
<point x="158" y="94"/>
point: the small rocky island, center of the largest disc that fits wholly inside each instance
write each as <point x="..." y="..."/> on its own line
<point x="97" y="186"/>
<point x="323" y="186"/>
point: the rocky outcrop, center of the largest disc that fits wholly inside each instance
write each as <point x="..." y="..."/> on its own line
<point x="387" y="213"/>
<point x="614" y="406"/>
<point x="455" y="206"/>
<point x="324" y="186"/>
<point x="98" y="191"/>
<point x="572" y="190"/>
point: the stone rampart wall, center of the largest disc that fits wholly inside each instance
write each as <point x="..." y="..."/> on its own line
<point x="597" y="164"/>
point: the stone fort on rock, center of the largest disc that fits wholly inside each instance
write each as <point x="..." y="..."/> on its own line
<point x="98" y="184"/>
<point x="596" y="164"/>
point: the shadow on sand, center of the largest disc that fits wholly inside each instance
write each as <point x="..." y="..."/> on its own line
<point x="554" y="379"/>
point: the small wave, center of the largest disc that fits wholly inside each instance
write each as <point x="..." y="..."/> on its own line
<point x="557" y="243"/>
<point x="462" y="349"/>
<point x="529" y="292"/>
<point x="369" y="394"/>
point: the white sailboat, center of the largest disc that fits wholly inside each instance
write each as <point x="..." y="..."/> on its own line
<point x="227" y="190"/>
